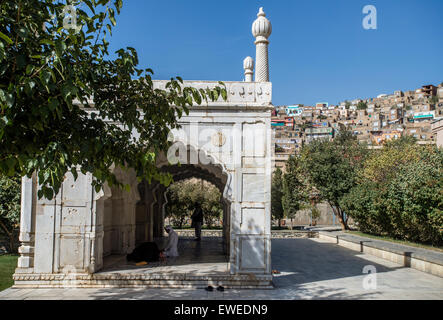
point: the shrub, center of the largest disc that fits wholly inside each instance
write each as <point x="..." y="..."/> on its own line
<point x="10" y="209"/>
<point x="400" y="193"/>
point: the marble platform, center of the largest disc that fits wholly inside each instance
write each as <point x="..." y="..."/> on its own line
<point x="200" y="264"/>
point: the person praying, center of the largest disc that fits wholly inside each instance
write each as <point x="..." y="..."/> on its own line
<point x="145" y="252"/>
<point x="171" y="247"/>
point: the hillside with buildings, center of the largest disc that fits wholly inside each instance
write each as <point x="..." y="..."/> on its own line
<point x="373" y="120"/>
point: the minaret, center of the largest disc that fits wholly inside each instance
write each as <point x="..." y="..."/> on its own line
<point x="248" y="65"/>
<point x="261" y="30"/>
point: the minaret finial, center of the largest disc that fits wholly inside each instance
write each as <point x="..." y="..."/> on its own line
<point x="261" y="13"/>
<point x="248" y="65"/>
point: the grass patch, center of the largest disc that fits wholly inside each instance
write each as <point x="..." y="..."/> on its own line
<point x="405" y="242"/>
<point x="8" y="263"/>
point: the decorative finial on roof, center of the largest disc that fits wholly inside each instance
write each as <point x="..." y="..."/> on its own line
<point x="248" y="66"/>
<point x="261" y="13"/>
<point x="262" y="26"/>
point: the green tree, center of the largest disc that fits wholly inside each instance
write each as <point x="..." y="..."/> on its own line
<point x="331" y="167"/>
<point x="382" y="164"/>
<point x="347" y="105"/>
<point x="10" y="209"/>
<point x="178" y="206"/>
<point x="276" y="196"/>
<point x="315" y="214"/>
<point x="362" y="105"/>
<point x="305" y="125"/>
<point x="433" y="100"/>
<point x="415" y="199"/>
<point x="211" y="206"/>
<point x="400" y="192"/>
<point x="295" y="188"/>
<point x="57" y="86"/>
<point x="184" y="195"/>
<point x="363" y="203"/>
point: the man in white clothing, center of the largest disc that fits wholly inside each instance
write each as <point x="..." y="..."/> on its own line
<point x="171" y="247"/>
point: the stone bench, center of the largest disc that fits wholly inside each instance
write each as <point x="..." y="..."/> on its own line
<point x="425" y="260"/>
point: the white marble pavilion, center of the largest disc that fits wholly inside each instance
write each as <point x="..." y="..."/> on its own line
<point x="68" y="241"/>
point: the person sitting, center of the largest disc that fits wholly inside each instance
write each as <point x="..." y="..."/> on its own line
<point x="171" y="247"/>
<point x="147" y="251"/>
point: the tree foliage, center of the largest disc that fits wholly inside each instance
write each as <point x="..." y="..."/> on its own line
<point x="433" y="99"/>
<point x="295" y="187"/>
<point x="331" y="168"/>
<point x="184" y="195"/>
<point x="362" y="105"/>
<point x="276" y="196"/>
<point x="315" y="212"/>
<point x="10" y="209"/>
<point x="62" y="97"/>
<point x="400" y="192"/>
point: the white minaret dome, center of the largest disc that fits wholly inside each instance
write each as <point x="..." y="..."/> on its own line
<point x="248" y="63"/>
<point x="261" y="27"/>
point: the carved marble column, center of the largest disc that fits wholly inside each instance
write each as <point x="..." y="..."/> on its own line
<point x="149" y="199"/>
<point x="27" y="224"/>
<point x="157" y="213"/>
<point x="124" y="213"/>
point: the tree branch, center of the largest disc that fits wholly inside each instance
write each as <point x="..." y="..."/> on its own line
<point x="9" y="233"/>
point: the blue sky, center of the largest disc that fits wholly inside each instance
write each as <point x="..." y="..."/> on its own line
<point x="318" y="49"/>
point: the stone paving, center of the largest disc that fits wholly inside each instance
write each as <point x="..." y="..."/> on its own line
<point x="309" y="269"/>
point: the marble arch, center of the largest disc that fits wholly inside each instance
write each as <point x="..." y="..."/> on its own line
<point x="212" y="171"/>
<point x="74" y="232"/>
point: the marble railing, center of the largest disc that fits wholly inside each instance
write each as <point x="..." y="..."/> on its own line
<point x="275" y="234"/>
<point x="238" y="92"/>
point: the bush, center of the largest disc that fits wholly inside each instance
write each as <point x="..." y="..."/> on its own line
<point x="363" y="204"/>
<point x="400" y="193"/>
<point x="10" y="210"/>
<point x="415" y="200"/>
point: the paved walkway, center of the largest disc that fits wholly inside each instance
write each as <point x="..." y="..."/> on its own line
<point x="309" y="269"/>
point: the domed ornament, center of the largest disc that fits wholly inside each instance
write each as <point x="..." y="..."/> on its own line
<point x="248" y="63"/>
<point x="262" y="26"/>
